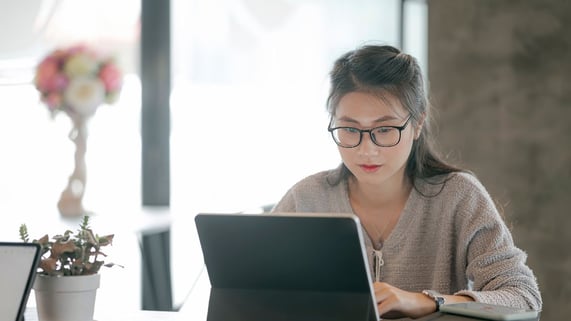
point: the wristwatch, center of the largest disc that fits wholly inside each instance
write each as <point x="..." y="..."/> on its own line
<point x="437" y="297"/>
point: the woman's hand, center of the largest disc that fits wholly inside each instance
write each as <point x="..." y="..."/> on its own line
<point x="395" y="303"/>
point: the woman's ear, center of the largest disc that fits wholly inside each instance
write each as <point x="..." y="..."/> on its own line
<point x="418" y="127"/>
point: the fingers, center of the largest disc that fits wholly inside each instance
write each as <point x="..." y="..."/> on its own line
<point x="386" y="296"/>
<point x="394" y="302"/>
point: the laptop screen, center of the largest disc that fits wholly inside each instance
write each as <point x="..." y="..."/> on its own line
<point x="281" y="261"/>
<point x="18" y="263"/>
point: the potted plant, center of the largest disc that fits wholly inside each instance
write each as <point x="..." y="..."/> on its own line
<point x="68" y="273"/>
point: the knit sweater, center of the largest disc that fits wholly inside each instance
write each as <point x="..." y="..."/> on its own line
<point x="449" y="238"/>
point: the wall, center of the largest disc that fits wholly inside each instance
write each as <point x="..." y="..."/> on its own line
<point x="500" y="76"/>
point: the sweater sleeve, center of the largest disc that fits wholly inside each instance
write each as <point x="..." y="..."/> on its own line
<point x="495" y="267"/>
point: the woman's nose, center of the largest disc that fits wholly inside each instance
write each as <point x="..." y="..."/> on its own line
<point x="367" y="146"/>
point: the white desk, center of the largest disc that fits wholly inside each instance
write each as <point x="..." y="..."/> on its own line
<point x="31" y="315"/>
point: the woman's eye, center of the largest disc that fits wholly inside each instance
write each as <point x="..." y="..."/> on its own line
<point x="351" y="130"/>
<point x="383" y="130"/>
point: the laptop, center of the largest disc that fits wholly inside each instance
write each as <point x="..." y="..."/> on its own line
<point x="286" y="267"/>
<point x="18" y="264"/>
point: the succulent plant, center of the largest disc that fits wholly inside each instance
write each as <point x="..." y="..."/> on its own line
<point x="71" y="254"/>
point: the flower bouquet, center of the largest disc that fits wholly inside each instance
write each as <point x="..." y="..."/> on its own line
<point x="77" y="80"/>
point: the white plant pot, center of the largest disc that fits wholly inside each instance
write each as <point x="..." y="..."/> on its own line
<point x="66" y="298"/>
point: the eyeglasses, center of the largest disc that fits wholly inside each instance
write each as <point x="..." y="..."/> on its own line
<point x="383" y="136"/>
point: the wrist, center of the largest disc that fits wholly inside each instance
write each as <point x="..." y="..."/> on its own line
<point x="437" y="298"/>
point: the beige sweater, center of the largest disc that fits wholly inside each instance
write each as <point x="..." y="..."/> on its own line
<point x="449" y="238"/>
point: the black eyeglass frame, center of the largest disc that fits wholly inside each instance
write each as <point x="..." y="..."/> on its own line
<point x="370" y="131"/>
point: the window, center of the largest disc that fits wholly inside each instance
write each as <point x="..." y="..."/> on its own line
<point x="249" y="89"/>
<point x="250" y="80"/>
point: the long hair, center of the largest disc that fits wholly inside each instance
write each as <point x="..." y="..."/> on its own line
<point x="382" y="70"/>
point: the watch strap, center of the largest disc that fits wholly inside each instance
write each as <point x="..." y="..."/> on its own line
<point x="437" y="297"/>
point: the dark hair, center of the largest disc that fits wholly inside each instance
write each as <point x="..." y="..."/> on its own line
<point x="382" y="70"/>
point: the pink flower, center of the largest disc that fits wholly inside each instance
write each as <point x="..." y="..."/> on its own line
<point x="53" y="100"/>
<point x="111" y="77"/>
<point x="46" y="71"/>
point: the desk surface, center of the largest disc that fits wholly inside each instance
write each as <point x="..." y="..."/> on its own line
<point x="31" y="315"/>
<point x="196" y="302"/>
<point x="177" y="316"/>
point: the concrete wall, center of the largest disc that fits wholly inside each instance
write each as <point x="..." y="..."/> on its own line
<point x="500" y="77"/>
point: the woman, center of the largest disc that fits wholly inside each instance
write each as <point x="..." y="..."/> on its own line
<point x="434" y="234"/>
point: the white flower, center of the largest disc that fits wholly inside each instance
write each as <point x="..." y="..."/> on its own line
<point x="84" y="94"/>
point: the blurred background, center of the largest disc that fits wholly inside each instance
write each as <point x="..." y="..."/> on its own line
<point x="223" y="109"/>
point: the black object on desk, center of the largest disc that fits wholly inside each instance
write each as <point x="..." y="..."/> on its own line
<point x="286" y="267"/>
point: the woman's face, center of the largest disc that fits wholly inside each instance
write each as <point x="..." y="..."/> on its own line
<point x="369" y="163"/>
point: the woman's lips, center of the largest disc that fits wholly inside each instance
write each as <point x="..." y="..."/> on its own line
<point x="370" y="168"/>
